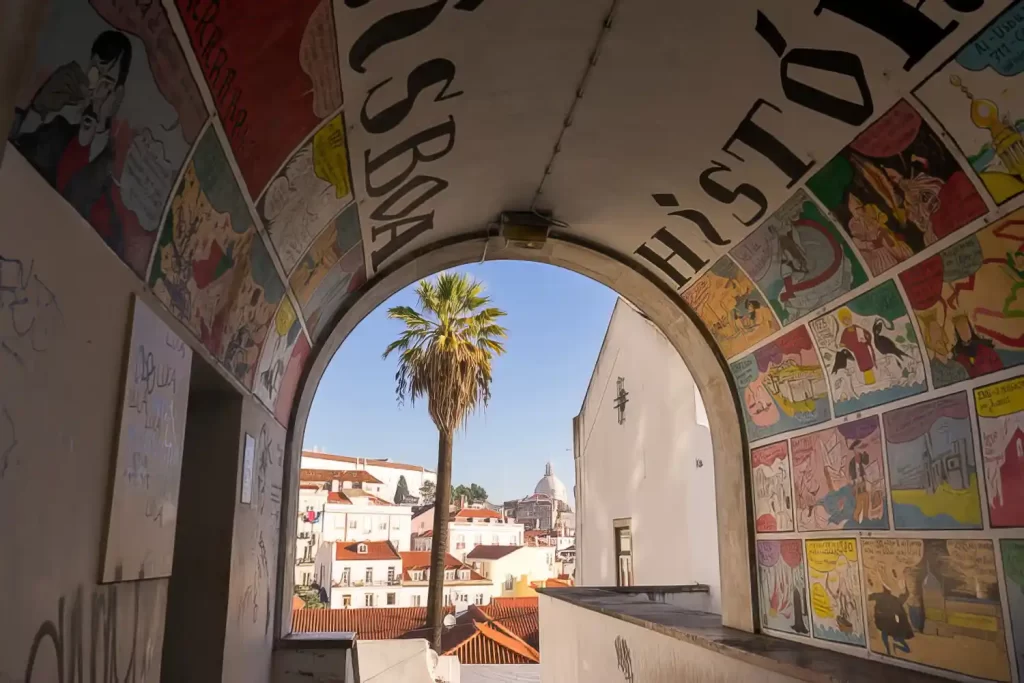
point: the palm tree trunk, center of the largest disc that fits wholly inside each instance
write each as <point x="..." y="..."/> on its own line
<point x="439" y="547"/>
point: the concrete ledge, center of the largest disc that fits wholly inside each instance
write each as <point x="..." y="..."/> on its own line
<point x="797" y="660"/>
<point x="637" y="590"/>
<point x="344" y="640"/>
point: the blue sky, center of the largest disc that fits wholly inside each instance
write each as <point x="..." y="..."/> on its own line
<point x="556" y="321"/>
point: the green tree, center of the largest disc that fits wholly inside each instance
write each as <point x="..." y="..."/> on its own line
<point x="428" y="492"/>
<point x="401" y="491"/>
<point x="474" y="493"/>
<point x="445" y="354"/>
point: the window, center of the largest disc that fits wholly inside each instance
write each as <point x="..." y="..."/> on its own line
<point x="369" y="600"/>
<point x="623" y="553"/>
<point x="391" y="575"/>
<point x="397" y="524"/>
<point x="306" y="576"/>
<point x="362" y="549"/>
<point x="479" y="599"/>
<point x="352" y="523"/>
<point x="510" y="582"/>
<point x="477" y="540"/>
<point x="460" y="542"/>
<point x="419" y="575"/>
<point x="448" y="599"/>
<point x="463" y="575"/>
<point x="346" y="576"/>
<point x="449" y="575"/>
<point x="346" y="600"/>
<point x="369" y="575"/>
<point x="416" y="601"/>
<point x="391" y="599"/>
<point x="495" y="539"/>
<point x="383" y="525"/>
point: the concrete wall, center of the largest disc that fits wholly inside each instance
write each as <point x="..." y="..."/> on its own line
<point x="645" y="469"/>
<point x="582" y="646"/>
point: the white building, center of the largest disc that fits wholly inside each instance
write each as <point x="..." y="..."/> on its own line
<point x="468" y="528"/>
<point x="645" y="482"/>
<point x="386" y="471"/>
<point x="374" y="574"/>
<point x="508" y="565"/>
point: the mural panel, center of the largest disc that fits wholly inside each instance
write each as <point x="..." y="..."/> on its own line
<point x="307" y="193"/>
<point x="732" y="308"/>
<point x="212" y="269"/>
<point x="978" y="99"/>
<point x="773" y="498"/>
<point x="932" y="472"/>
<point x="799" y="259"/>
<point x="284" y="334"/>
<point x="839" y="478"/>
<point x="783" y="582"/>
<point x="783" y="386"/>
<point x="869" y="350"/>
<point x="896" y="189"/>
<point x="969" y="302"/>
<point x="1013" y="571"/>
<point x="110" y="115"/>
<point x="1000" y="410"/>
<point x="331" y="269"/>
<point x="272" y="68"/>
<point x="936" y="602"/>
<point x="834" y="571"/>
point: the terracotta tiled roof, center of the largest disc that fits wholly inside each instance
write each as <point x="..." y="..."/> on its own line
<point x="309" y="487"/>
<point x="298" y="603"/>
<point x="370" y="623"/>
<point x="359" y="494"/>
<point x="521" y="616"/>
<point x="480" y="639"/>
<point x="338" y="498"/>
<point x="491" y="552"/>
<point x="551" y="583"/>
<point x="420" y="559"/>
<point x="473" y="513"/>
<point x="375" y="550"/>
<point x="360" y="476"/>
<point x="363" y="461"/>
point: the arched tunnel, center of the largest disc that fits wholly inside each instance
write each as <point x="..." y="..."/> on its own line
<point x="818" y="203"/>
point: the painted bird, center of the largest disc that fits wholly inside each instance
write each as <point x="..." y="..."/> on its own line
<point x="843" y="356"/>
<point x="886" y="346"/>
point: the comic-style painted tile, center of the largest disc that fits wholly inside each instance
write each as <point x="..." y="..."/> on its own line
<point x="799" y="259"/>
<point x="836" y="593"/>
<point x="1000" y="409"/>
<point x="936" y="602"/>
<point x="732" y="308"/>
<point x="896" y="189"/>
<point x="933" y="475"/>
<point x="839" y="478"/>
<point x="782" y="386"/>
<point x="773" y="497"/>
<point x="782" y="578"/>
<point x="870" y="351"/>
<point x="108" y="117"/>
<point x="211" y="268"/>
<point x="979" y="99"/>
<point x="969" y="302"/>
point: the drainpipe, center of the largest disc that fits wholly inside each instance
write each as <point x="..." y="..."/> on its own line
<point x="20" y="24"/>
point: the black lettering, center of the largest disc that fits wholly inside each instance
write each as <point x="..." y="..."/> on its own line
<point x="210" y="41"/>
<point x="390" y="29"/>
<point x="411" y="144"/>
<point x="901" y="23"/>
<point x="420" y="225"/>
<point x="438" y="185"/>
<point x="239" y="120"/>
<point x="844" y="63"/>
<point x="676" y="248"/>
<point x="767" y="145"/>
<point x="206" y="20"/>
<point x="720" y="193"/>
<point x="428" y="73"/>
<point x="225" y="86"/>
<point x="213" y="70"/>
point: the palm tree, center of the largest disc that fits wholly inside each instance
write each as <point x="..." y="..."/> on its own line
<point x="446" y="352"/>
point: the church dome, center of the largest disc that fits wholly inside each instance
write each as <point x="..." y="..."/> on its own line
<point x="550" y="485"/>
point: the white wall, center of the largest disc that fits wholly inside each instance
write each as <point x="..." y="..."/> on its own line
<point x="497" y="533"/>
<point x="645" y="469"/>
<point x="536" y="563"/>
<point x="389" y="476"/>
<point x="368" y="522"/>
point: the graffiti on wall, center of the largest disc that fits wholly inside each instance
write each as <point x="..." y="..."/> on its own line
<point x="969" y="303"/>
<point x="932" y="471"/>
<point x="799" y="259"/>
<point x="773" y="498"/>
<point x="110" y="117"/>
<point x="839" y="478"/>
<point x="936" y="602"/>
<point x="732" y="308"/>
<point x="331" y="269"/>
<point x="869" y="350"/>
<point x="211" y="268"/>
<point x="977" y="98"/>
<point x="1000" y="408"/>
<point x="273" y="73"/>
<point x="783" y="583"/>
<point x="1013" y="570"/>
<point x="307" y="193"/>
<point x="782" y="385"/>
<point x="896" y="189"/>
<point x="834" y="571"/>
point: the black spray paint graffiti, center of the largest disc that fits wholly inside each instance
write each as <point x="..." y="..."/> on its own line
<point x="396" y="190"/>
<point x="96" y="650"/>
<point x="30" y="316"/>
<point x="257" y="588"/>
<point x="624" y="658"/>
<point x="268" y="455"/>
<point x="8" y="439"/>
<point x="904" y="25"/>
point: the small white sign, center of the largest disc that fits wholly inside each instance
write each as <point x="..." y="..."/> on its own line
<point x="247" y="462"/>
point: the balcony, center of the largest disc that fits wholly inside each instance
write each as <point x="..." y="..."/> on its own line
<point x="366" y="584"/>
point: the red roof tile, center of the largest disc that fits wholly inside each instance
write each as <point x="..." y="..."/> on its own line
<point x="363" y="461"/>
<point x="375" y="550"/>
<point x="338" y="498"/>
<point x="473" y="513"/>
<point x="492" y="644"/>
<point x="491" y="552"/>
<point x="370" y="623"/>
<point x="360" y="476"/>
<point x="420" y="559"/>
<point x="521" y="616"/>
